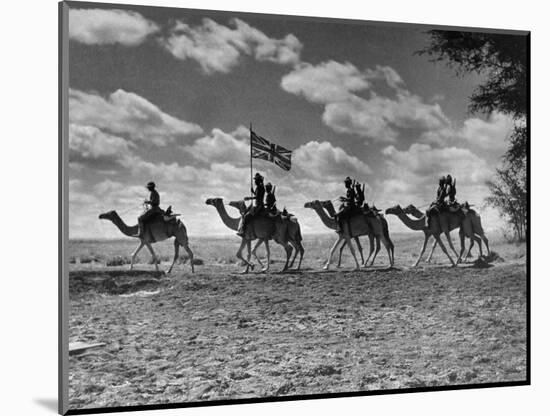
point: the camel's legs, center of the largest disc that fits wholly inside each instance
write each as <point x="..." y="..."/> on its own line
<point x="486" y="241"/>
<point x="176" y="253"/>
<point x="340" y="253"/>
<point x="376" y="251"/>
<point x="448" y="236"/>
<point x="334" y="246"/>
<point x="359" y="247"/>
<point x="155" y="258"/>
<point x="388" y="246"/>
<point x="348" y="240"/>
<point x="371" y="249"/>
<point x="255" y="255"/>
<point x="134" y="254"/>
<point x="438" y="239"/>
<point x="426" y="237"/>
<point x="299" y="248"/>
<point x="268" y="252"/>
<point x="429" y="259"/>
<point x="296" y="249"/>
<point x="240" y="256"/>
<point x="190" y="254"/>
<point x="288" y="251"/>
<point x="478" y="241"/>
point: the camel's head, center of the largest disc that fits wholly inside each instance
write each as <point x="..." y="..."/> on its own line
<point x="109" y="215"/>
<point x="240" y="205"/>
<point x="409" y="209"/>
<point x="311" y="204"/>
<point x="395" y="210"/>
<point x="213" y="201"/>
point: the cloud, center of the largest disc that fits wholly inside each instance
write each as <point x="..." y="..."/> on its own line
<point x="105" y="27"/>
<point x="88" y="144"/>
<point x="324" y="162"/>
<point x="422" y="164"/>
<point x="218" y="48"/>
<point x="490" y="134"/>
<point x="221" y="147"/>
<point x="337" y="86"/>
<point x="124" y="112"/>
<point x="325" y="83"/>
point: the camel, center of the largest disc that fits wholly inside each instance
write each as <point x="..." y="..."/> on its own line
<point x="287" y="231"/>
<point x="446" y="222"/>
<point x="378" y="227"/>
<point x="261" y="228"/>
<point x="355" y="227"/>
<point x="156" y="230"/>
<point x="373" y="227"/>
<point x="478" y="232"/>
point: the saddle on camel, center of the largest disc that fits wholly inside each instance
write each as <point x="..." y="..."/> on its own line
<point x="353" y="203"/>
<point x="446" y="200"/>
<point x="154" y="214"/>
<point x="260" y="208"/>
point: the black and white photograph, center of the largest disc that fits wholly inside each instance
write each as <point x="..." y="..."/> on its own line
<point x="270" y="207"/>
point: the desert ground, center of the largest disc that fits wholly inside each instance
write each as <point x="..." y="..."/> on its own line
<point x="218" y="334"/>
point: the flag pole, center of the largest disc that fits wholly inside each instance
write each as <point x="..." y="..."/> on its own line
<point x="251" y="181"/>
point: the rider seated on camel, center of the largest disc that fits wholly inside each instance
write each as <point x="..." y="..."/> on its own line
<point x="270" y="200"/>
<point x="439" y="203"/>
<point x="451" y="193"/>
<point x="153" y="208"/>
<point x="258" y="205"/>
<point x="348" y="203"/>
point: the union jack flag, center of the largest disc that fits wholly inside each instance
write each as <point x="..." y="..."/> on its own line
<point x="264" y="149"/>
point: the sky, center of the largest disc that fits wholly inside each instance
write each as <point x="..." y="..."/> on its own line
<point x="168" y="95"/>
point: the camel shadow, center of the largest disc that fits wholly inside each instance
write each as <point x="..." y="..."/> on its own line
<point x="384" y="269"/>
<point x="115" y="273"/>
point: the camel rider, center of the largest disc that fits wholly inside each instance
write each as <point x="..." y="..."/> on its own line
<point x="440" y="200"/>
<point x="359" y="195"/>
<point x="258" y="205"/>
<point x="348" y="203"/>
<point x="451" y="192"/>
<point x="153" y="207"/>
<point x="270" y="200"/>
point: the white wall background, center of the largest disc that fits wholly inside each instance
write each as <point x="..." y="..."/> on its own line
<point x="28" y="298"/>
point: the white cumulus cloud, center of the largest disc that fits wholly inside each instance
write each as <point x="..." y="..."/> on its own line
<point x="353" y="106"/>
<point x="124" y="112"/>
<point x="104" y="27"/>
<point x="218" y="48"/>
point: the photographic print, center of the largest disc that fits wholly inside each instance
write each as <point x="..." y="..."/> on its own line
<point x="266" y="207"/>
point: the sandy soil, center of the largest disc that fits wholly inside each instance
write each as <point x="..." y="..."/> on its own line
<point x="221" y="335"/>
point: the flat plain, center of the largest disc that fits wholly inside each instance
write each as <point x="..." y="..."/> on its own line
<point x="218" y="334"/>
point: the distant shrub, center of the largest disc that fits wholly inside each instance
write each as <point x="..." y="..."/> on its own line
<point x="198" y="262"/>
<point x="119" y="261"/>
<point x="87" y="259"/>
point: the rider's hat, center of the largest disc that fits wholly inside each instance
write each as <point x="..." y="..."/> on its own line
<point x="449" y="178"/>
<point x="347" y="180"/>
<point x="257" y="176"/>
<point x="268" y="186"/>
<point x="150" y="185"/>
<point x="442" y="180"/>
